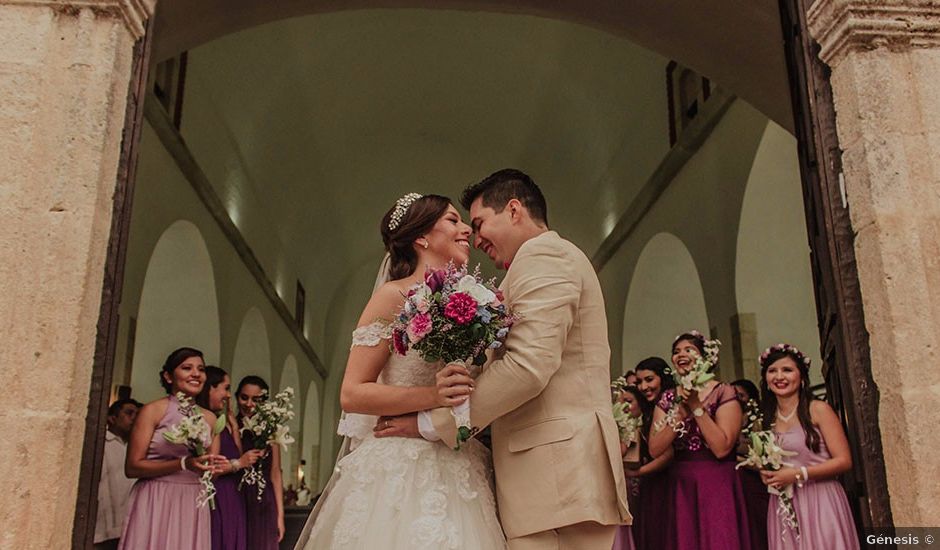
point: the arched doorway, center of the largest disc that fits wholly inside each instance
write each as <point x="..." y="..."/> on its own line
<point x="665" y="280"/>
<point x="588" y="14"/>
<point x="178" y="307"/>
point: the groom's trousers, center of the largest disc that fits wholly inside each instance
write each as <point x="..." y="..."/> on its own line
<point x="580" y="536"/>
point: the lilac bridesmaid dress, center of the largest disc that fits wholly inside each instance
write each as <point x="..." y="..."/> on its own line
<point x="822" y="508"/>
<point x="228" y="518"/>
<point x="708" y="510"/>
<point x="162" y="512"/>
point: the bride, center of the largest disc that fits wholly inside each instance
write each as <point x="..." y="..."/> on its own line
<point x="401" y="493"/>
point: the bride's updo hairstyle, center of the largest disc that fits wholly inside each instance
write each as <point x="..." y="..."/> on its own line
<point x="403" y="224"/>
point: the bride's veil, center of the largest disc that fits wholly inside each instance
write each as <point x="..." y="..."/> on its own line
<point x="351" y="426"/>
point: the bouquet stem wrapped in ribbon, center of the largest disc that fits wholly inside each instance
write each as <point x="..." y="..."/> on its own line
<point x="453" y="317"/>
<point x="192" y="432"/>
<point x="764" y="453"/>
<point x="268" y="426"/>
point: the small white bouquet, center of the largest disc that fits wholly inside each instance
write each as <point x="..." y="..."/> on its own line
<point x="763" y="453"/>
<point x="694" y="380"/>
<point x="268" y="426"/>
<point x="192" y="431"/>
<point x="628" y="425"/>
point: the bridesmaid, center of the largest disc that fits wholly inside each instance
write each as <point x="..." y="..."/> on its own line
<point x="162" y="511"/>
<point x="653" y="500"/>
<point x="755" y="492"/>
<point x="708" y="508"/>
<point x="265" y="516"/>
<point x="228" y="517"/>
<point x="629" y="394"/>
<point x="812" y="429"/>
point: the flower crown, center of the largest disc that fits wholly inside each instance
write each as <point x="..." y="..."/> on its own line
<point x="711" y="347"/>
<point x="401" y="206"/>
<point x="785" y="348"/>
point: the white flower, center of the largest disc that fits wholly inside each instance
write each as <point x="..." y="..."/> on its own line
<point x="282" y="437"/>
<point x="421" y="298"/>
<point x="468" y="284"/>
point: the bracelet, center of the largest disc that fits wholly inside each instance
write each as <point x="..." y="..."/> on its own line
<point x="183" y="463"/>
<point x="805" y="473"/>
<point x="235" y="464"/>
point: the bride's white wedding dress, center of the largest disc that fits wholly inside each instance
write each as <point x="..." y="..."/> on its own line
<point x="399" y="493"/>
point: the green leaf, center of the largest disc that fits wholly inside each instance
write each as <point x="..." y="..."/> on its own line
<point x="219" y="425"/>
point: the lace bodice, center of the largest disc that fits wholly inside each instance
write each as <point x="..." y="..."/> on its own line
<point x="401" y="370"/>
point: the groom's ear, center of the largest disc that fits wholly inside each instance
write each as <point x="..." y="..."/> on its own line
<point x="515" y="210"/>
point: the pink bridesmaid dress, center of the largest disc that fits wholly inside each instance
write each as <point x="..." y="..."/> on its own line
<point x="162" y="512"/>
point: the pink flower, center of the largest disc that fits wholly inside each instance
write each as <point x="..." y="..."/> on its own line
<point x="461" y="308"/>
<point x="419" y="327"/>
<point x="398" y="341"/>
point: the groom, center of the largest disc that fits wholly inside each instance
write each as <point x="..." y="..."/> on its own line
<point x="556" y="452"/>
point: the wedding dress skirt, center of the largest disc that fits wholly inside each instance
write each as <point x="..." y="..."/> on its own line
<point x="398" y="493"/>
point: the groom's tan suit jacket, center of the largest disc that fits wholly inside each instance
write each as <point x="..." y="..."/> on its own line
<point x="556" y="452"/>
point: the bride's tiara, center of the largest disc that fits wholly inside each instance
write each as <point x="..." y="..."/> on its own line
<point x="401" y="206"/>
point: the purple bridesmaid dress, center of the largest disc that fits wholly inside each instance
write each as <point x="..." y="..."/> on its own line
<point x="822" y="508"/>
<point x="708" y="509"/>
<point x="228" y="518"/>
<point x="261" y="514"/>
<point x="162" y="511"/>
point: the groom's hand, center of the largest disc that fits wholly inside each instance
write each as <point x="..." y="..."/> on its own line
<point x="397" y="426"/>
<point x="454" y="385"/>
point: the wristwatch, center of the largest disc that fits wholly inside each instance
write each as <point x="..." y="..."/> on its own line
<point x="698" y="411"/>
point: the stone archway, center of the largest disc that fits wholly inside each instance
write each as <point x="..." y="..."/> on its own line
<point x="665" y="279"/>
<point x="178" y="307"/>
<point x="100" y="35"/>
<point x="773" y="279"/>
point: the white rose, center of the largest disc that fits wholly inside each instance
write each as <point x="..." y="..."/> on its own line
<point x="469" y="285"/>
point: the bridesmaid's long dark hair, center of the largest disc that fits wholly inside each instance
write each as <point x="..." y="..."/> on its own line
<point x="769" y="399"/>
<point x="657" y="366"/>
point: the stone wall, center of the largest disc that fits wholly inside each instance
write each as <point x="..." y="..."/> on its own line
<point x="64" y="72"/>
<point x="885" y="59"/>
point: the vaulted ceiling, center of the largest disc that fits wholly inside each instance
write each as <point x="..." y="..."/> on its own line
<point x="310" y="127"/>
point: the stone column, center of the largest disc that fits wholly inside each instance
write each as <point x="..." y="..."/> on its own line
<point x="64" y="73"/>
<point x="885" y="60"/>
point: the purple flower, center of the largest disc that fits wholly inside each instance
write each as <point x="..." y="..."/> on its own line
<point x="461" y="308"/>
<point x="434" y="278"/>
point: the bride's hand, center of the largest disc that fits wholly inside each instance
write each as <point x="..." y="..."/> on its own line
<point x="397" y="426"/>
<point x="454" y="385"/>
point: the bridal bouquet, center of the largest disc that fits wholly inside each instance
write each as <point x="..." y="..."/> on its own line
<point x="453" y="317"/>
<point x="693" y="380"/>
<point x="192" y="431"/>
<point x="268" y="426"/>
<point x="763" y="453"/>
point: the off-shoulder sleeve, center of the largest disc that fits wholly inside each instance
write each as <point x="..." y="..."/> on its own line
<point x="371" y="334"/>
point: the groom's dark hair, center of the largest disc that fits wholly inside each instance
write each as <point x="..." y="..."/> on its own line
<point x="499" y="187"/>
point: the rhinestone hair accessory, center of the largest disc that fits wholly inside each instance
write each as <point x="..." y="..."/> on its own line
<point x="785" y="348"/>
<point x="401" y="206"/>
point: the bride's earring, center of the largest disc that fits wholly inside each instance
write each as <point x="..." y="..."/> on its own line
<point x="426" y="243"/>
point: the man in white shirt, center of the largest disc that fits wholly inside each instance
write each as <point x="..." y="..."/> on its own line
<point x="114" y="487"/>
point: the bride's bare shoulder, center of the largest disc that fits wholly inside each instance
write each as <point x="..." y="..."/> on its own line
<point x="384" y="304"/>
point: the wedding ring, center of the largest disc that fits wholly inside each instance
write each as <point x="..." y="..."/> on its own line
<point x="387" y="424"/>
